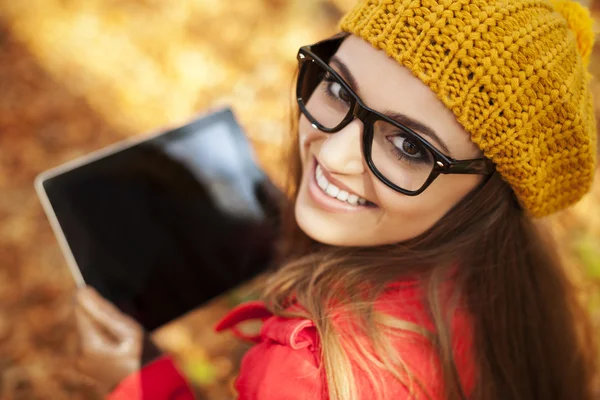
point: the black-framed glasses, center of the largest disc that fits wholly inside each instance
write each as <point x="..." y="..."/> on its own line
<point x="397" y="155"/>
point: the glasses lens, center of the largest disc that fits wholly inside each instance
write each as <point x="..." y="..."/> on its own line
<point x="323" y="96"/>
<point x="400" y="157"/>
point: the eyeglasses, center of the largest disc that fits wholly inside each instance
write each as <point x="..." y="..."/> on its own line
<point x="397" y="155"/>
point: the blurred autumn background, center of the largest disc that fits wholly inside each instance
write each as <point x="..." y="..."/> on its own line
<point x="76" y="75"/>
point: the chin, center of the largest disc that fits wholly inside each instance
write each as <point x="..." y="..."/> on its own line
<point x="330" y="228"/>
<point x="317" y="225"/>
<point x="324" y="233"/>
<point x="324" y="228"/>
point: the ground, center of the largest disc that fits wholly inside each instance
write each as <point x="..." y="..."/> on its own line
<point x="76" y="75"/>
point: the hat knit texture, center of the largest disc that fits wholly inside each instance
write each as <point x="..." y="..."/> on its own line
<point x="514" y="72"/>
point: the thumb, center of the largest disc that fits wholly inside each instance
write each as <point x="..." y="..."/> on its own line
<point x="107" y="315"/>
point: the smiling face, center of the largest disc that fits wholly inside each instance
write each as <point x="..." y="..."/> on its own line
<point x="340" y="201"/>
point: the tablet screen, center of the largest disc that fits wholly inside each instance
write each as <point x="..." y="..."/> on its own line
<point x="162" y="226"/>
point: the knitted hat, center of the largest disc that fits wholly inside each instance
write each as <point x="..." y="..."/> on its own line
<point x="514" y="72"/>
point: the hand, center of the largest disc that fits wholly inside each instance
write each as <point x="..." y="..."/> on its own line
<point x="111" y="342"/>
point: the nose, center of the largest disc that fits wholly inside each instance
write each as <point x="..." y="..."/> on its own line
<point x="341" y="152"/>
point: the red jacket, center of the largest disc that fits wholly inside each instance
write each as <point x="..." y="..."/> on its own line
<point x="284" y="364"/>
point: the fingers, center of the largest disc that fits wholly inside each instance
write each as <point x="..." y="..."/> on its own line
<point x="111" y="343"/>
<point x="107" y="315"/>
<point x="92" y="340"/>
<point x="92" y="300"/>
<point x="100" y="359"/>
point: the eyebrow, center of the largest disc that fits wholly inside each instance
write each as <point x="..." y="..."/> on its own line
<point x="418" y="127"/>
<point x="400" y="118"/>
<point x="345" y="72"/>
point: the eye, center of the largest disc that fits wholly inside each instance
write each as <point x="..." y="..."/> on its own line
<point x="337" y="90"/>
<point x="407" y="147"/>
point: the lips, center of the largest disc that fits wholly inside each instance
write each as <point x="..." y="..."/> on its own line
<point x="335" y="192"/>
<point x="331" y="188"/>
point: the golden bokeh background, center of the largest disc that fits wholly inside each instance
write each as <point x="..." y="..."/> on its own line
<point x="76" y="75"/>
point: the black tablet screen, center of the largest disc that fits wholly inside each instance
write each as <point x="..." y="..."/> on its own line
<point x="163" y="226"/>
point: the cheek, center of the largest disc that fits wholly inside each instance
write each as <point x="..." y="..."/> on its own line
<point x="415" y="214"/>
<point x="303" y="136"/>
<point x="307" y="137"/>
<point x="419" y="213"/>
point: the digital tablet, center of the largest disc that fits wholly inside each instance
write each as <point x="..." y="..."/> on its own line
<point x="162" y="224"/>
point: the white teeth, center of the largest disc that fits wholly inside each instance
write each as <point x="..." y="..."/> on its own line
<point x="343" y="195"/>
<point x="333" y="191"/>
<point x="322" y="182"/>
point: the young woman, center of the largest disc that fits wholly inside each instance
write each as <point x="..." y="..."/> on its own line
<point x="429" y="135"/>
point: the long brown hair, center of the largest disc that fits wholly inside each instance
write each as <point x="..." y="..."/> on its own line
<point x="532" y="337"/>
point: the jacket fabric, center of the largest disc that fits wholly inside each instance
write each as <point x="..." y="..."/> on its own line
<point x="285" y="362"/>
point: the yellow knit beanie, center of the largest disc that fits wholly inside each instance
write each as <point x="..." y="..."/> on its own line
<point x="514" y="72"/>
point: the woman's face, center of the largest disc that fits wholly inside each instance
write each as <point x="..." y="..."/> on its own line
<point x="388" y="216"/>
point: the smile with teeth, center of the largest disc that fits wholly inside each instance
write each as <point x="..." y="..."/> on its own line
<point x="335" y="192"/>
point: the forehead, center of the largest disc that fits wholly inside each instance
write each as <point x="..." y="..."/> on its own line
<point x="385" y="85"/>
<point x="375" y="71"/>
